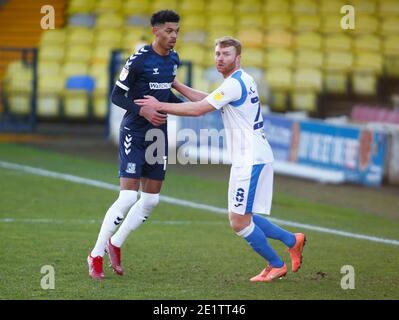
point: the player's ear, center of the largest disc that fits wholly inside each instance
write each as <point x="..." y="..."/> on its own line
<point x="238" y="60"/>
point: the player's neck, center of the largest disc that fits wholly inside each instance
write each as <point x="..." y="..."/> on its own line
<point x="158" y="49"/>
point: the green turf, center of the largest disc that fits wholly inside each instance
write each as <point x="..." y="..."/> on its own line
<point x="180" y="253"/>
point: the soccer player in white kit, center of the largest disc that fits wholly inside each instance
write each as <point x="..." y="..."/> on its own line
<point x="251" y="177"/>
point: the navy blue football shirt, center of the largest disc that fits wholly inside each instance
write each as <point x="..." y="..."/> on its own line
<point x="147" y="73"/>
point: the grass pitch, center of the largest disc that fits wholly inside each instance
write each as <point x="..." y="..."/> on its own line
<point x="179" y="253"/>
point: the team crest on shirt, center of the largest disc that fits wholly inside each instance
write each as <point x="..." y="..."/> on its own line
<point x="218" y="96"/>
<point x="174" y="69"/>
<point x="124" y="74"/>
<point x="131" y="168"/>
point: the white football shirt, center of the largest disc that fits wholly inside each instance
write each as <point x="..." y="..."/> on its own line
<point x="238" y="99"/>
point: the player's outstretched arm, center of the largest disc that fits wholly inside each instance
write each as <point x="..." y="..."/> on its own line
<point x="190" y="93"/>
<point x="191" y="109"/>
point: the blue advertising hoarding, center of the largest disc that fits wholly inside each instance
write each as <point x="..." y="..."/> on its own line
<point x="358" y="152"/>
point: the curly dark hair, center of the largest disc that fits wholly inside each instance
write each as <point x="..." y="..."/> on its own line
<point x="164" y="16"/>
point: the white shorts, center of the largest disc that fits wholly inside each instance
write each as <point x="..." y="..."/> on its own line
<point x="251" y="189"/>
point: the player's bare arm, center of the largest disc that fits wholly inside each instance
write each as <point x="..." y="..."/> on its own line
<point x="191" y="109"/>
<point x="189" y="93"/>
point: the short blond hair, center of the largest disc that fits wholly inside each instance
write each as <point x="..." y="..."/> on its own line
<point x="228" y="41"/>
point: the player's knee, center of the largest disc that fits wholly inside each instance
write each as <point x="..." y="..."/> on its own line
<point x="149" y="200"/>
<point x="239" y="222"/>
<point x="126" y="199"/>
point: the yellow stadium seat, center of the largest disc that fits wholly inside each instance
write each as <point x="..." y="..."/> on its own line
<point x="371" y="62"/>
<point x="111" y="37"/>
<point x="101" y="54"/>
<point x="389" y="26"/>
<point x="304" y="101"/>
<point x="193" y="22"/>
<point x="279" y="78"/>
<point x="308" y="79"/>
<point x="225" y="21"/>
<point x="276" y="6"/>
<point x="192" y="53"/>
<point x="218" y="33"/>
<point x="309" y="58"/>
<point x="191" y="6"/>
<point x="306" y="22"/>
<point x="250" y="21"/>
<point x="110" y="20"/>
<point x="134" y="7"/>
<point x="366" y="43"/>
<point x="278" y="101"/>
<point x="337" y="42"/>
<point x="106" y="6"/>
<point x="279" y="58"/>
<point x="220" y="7"/>
<point x="100" y="105"/>
<point x="328" y="7"/>
<point x="49" y="90"/>
<point x="278" y="39"/>
<point x="76" y="104"/>
<point x="391" y="66"/>
<point x="364" y="83"/>
<point x="99" y="70"/>
<point x="366" y="24"/>
<point x="391" y="45"/>
<point x="249" y="6"/>
<point x="157" y="5"/>
<point x="300" y="7"/>
<point x="251" y="38"/>
<point x="80" y="53"/>
<point x="278" y="21"/>
<point x="100" y="96"/>
<point x="75" y="68"/>
<point x="331" y="23"/>
<point x="18" y="87"/>
<point x="389" y="7"/>
<point x="78" y="35"/>
<point x="51" y="53"/>
<point x="338" y="61"/>
<point x="81" y="6"/>
<point x="252" y="57"/>
<point x="365" y="6"/>
<point x="335" y="82"/>
<point x="48" y="68"/>
<point x="53" y="37"/>
<point x="193" y="37"/>
<point x="132" y="36"/>
<point x="308" y="40"/>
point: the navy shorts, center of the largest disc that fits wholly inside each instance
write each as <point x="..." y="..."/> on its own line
<point x="139" y="158"/>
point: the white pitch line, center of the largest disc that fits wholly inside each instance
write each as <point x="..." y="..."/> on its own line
<point x="185" y="203"/>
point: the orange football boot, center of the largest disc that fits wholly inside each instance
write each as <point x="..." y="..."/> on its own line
<point x="269" y="273"/>
<point x="296" y="251"/>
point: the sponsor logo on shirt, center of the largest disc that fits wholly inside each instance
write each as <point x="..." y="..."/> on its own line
<point x="218" y="96"/>
<point x="160" y="86"/>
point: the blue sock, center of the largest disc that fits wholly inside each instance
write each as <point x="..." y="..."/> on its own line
<point x="258" y="242"/>
<point x="273" y="231"/>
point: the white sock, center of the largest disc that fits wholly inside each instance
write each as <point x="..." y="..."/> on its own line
<point x="112" y="219"/>
<point x="136" y="216"/>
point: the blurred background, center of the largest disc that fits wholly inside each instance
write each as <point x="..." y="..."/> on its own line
<point x="329" y="95"/>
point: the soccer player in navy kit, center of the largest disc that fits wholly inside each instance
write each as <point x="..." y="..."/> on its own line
<point x="150" y="71"/>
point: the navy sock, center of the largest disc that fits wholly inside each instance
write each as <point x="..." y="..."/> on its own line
<point x="259" y="243"/>
<point x="273" y="231"/>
